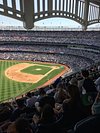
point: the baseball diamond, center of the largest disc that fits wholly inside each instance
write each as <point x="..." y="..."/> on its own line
<point x="19" y="77"/>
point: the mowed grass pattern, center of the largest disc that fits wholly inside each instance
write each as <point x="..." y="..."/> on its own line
<point x="11" y="89"/>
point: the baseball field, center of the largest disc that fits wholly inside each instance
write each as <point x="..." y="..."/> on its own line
<point x="19" y="77"/>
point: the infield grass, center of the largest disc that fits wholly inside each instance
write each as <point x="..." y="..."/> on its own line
<point x="11" y="88"/>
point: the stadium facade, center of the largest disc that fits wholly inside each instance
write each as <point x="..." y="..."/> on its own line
<point x="85" y="12"/>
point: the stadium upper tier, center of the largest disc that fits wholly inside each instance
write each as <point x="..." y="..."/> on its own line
<point x="78" y="49"/>
<point x="52" y="37"/>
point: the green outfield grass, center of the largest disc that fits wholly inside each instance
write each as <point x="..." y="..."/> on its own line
<point x="11" y="89"/>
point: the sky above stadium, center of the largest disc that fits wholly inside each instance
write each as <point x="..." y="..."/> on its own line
<point x="6" y="21"/>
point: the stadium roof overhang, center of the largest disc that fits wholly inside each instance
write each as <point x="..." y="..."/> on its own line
<point x="30" y="11"/>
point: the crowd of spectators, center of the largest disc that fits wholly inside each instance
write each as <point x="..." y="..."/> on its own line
<point x="59" y="106"/>
<point x="76" y="48"/>
<point x="77" y="37"/>
<point x="75" y="62"/>
<point x="85" y="52"/>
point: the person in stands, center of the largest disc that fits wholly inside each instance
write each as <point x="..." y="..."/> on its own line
<point x="18" y="110"/>
<point x="21" y="125"/>
<point x="96" y="105"/>
<point x="31" y="99"/>
<point x="88" y="83"/>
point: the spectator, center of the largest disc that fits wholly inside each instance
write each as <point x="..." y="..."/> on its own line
<point x="74" y="81"/>
<point x="88" y="84"/>
<point x="48" y="121"/>
<point x="97" y="82"/>
<point x="60" y="94"/>
<point x="96" y="105"/>
<point x="19" y="110"/>
<point x="31" y="99"/>
<point x="20" y="126"/>
<point x="72" y="108"/>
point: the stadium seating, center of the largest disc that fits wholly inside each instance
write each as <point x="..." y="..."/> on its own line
<point x="90" y="124"/>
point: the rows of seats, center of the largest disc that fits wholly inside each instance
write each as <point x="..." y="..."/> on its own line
<point x="76" y="57"/>
<point x="85" y="52"/>
<point x="78" y="37"/>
